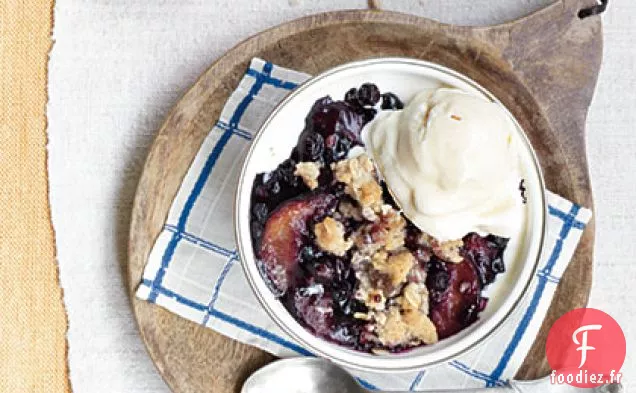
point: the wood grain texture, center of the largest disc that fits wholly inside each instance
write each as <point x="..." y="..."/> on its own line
<point x="32" y="316"/>
<point x="542" y="67"/>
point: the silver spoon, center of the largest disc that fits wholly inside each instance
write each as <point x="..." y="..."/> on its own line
<point x="314" y="375"/>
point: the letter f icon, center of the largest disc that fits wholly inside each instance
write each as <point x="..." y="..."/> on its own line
<point x="584" y="348"/>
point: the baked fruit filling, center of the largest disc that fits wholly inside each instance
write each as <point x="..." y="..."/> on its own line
<point x="333" y="246"/>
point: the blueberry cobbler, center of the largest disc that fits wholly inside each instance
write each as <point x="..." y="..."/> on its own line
<point x="331" y="235"/>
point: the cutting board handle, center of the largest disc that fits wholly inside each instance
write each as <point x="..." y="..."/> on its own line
<point x="557" y="55"/>
<point x="556" y="52"/>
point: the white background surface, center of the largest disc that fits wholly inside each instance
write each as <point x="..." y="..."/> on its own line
<point x="116" y="69"/>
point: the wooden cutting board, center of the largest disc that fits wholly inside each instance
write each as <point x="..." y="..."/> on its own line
<point x="542" y="67"/>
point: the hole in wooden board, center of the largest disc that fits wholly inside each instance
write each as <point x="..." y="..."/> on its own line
<point x="594" y="10"/>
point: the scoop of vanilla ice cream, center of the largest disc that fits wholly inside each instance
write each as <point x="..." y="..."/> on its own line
<point x="450" y="160"/>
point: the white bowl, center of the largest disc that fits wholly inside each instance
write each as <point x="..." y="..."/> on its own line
<point x="274" y="143"/>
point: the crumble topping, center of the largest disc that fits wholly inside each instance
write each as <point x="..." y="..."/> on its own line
<point x="375" y="300"/>
<point x="417" y="275"/>
<point x="420" y="326"/>
<point x="309" y="172"/>
<point x="414" y="297"/>
<point x="330" y="236"/>
<point x="392" y="230"/>
<point x="396" y="267"/>
<point x="358" y="175"/>
<point x="405" y="327"/>
<point x="449" y="250"/>
<point x="391" y="284"/>
<point x="387" y="231"/>
<point x="424" y="239"/>
<point x="393" y="331"/>
<point x="348" y="210"/>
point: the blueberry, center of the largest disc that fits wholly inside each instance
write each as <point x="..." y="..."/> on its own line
<point x="320" y="105"/>
<point x="310" y="253"/>
<point x="357" y="306"/>
<point x="368" y="114"/>
<point x="498" y="266"/>
<point x="312" y="147"/>
<point x="441" y="280"/>
<point x="257" y="230"/>
<point x="434" y="266"/>
<point x="486" y="254"/>
<point x="346" y="333"/>
<point x="368" y="94"/>
<point x="339" y="188"/>
<point x="307" y="253"/>
<point x="352" y="96"/>
<point x="391" y="102"/>
<point x="342" y="297"/>
<point x="437" y="279"/>
<point x="260" y="187"/>
<point x="497" y="242"/>
<point x="294" y="155"/>
<point x="341" y="149"/>
<point x="342" y="271"/>
<point x="260" y="212"/>
<point x="286" y="172"/>
<point x="273" y="187"/>
<point x="261" y="192"/>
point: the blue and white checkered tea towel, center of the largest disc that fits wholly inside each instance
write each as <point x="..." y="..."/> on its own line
<point x="193" y="269"/>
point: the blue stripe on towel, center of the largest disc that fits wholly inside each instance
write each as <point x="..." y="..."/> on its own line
<point x="217" y="286"/>
<point x="237" y="131"/>
<point x="203" y="177"/>
<point x="551" y="278"/>
<point x="257" y="331"/>
<point x="171" y="294"/>
<point x="566" y="217"/>
<point x="476" y="374"/>
<point x="569" y="222"/>
<point x="366" y="384"/>
<point x="273" y="81"/>
<point x="416" y="381"/>
<point x="199" y="241"/>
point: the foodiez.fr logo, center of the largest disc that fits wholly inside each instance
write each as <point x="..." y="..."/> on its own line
<point x="586" y="348"/>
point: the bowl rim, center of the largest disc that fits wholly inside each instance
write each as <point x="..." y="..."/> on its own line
<point x="241" y="243"/>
